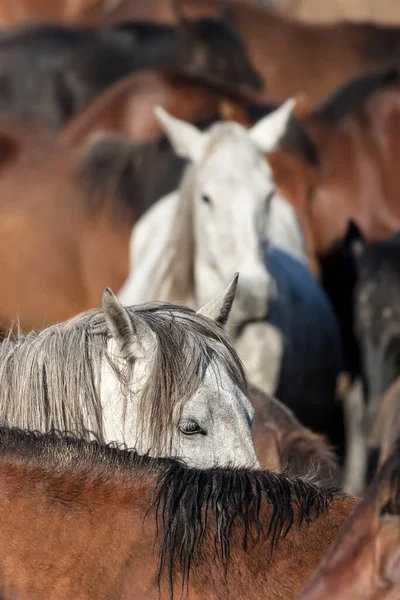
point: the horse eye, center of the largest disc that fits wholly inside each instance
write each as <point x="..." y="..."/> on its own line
<point x="206" y="199"/>
<point x="190" y="427"/>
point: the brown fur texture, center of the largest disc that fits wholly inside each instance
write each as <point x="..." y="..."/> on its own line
<point x="363" y="561"/>
<point x="65" y="225"/>
<point x="290" y="56"/>
<point x="77" y="521"/>
<point x="284" y="445"/>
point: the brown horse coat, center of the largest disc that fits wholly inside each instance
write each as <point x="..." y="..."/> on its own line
<point x="363" y="561"/>
<point x="79" y="520"/>
<point x="289" y="55"/>
<point x="283" y="444"/>
<point x="65" y="222"/>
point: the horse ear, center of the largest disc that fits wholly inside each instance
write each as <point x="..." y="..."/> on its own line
<point x="129" y="333"/>
<point x="187" y="141"/>
<point x="218" y="308"/>
<point x="267" y="133"/>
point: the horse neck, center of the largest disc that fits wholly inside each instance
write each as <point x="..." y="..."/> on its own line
<point x="176" y="278"/>
<point x="122" y="495"/>
<point x="260" y="571"/>
<point x="159" y="48"/>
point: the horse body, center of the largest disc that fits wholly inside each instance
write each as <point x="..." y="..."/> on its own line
<point x="68" y="219"/>
<point x="114" y="553"/>
<point x="358" y="154"/>
<point x="48" y="72"/>
<point x="284" y="445"/>
<point x="282" y="49"/>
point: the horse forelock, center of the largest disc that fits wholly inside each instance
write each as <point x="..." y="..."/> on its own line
<point x="187" y="345"/>
<point x="52" y="379"/>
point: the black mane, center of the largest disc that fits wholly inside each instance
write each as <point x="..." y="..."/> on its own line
<point x="186" y="500"/>
<point x="350" y="95"/>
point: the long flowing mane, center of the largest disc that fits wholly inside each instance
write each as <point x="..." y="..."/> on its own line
<point x="187" y="502"/>
<point x="52" y="379"/>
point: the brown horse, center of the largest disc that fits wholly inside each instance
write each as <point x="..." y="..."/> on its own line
<point x="49" y="71"/>
<point x="284" y="445"/>
<point x="290" y="56"/>
<point x="354" y="132"/>
<point x="66" y="217"/>
<point x="90" y="521"/>
<point x="363" y="561"/>
<point x="127" y="106"/>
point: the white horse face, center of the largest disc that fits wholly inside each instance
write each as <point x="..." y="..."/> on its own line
<point x="213" y="427"/>
<point x="233" y="188"/>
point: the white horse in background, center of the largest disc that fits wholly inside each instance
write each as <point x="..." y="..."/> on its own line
<point x="218" y="222"/>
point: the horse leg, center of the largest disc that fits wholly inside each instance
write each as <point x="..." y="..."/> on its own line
<point x="356" y="455"/>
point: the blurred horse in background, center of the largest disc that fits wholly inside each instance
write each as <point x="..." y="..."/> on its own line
<point x="363" y="561"/>
<point x="289" y="55"/>
<point x="196" y="245"/>
<point x="84" y="61"/>
<point x="66" y="217"/>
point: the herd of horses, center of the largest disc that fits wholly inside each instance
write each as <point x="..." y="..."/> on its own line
<point x="227" y="423"/>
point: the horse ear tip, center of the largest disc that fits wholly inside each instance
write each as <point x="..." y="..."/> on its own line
<point x="108" y="294"/>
